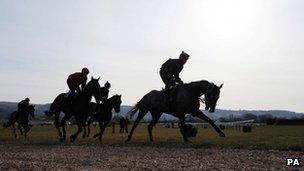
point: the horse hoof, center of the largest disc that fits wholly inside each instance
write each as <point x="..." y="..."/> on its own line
<point x="127" y="140"/>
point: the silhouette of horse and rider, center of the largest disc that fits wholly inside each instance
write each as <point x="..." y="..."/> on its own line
<point x="77" y="103"/>
<point x="21" y="117"/>
<point x="177" y="99"/>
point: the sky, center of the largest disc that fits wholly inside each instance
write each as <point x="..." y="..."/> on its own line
<point x="253" y="47"/>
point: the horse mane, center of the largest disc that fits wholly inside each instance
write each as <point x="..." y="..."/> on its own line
<point x="200" y="83"/>
<point x="114" y="96"/>
<point x="198" y="87"/>
<point x="111" y="99"/>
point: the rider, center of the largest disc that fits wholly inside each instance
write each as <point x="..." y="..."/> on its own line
<point x="75" y="81"/>
<point x="169" y="72"/>
<point x="22" y="106"/>
<point x="104" y="91"/>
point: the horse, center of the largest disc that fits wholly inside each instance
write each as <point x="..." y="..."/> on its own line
<point x="186" y="101"/>
<point x="123" y="123"/>
<point x="104" y="114"/>
<point x="79" y="108"/>
<point x="22" y="120"/>
<point x="93" y="113"/>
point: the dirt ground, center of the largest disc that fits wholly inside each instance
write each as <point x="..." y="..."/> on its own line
<point x="69" y="157"/>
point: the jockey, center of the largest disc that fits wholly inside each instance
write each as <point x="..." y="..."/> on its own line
<point x="169" y="71"/>
<point x="77" y="80"/>
<point x="22" y="106"/>
<point x="104" y="91"/>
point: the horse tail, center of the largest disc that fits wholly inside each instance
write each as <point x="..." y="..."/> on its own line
<point x="50" y="112"/>
<point x="56" y="105"/>
<point x="12" y="119"/>
<point x="132" y="112"/>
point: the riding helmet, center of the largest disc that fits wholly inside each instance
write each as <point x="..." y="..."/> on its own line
<point x="184" y="56"/>
<point x="107" y="85"/>
<point x="85" y="71"/>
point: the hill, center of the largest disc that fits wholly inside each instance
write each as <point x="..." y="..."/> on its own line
<point x="8" y="107"/>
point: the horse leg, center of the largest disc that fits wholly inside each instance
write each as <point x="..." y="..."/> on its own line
<point x="100" y="123"/>
<point x="102" y="129"/>
<point x="63" y="122"/>
<point x="56" y="123"/>
<point x="202" y="116"/>
<point x="14" y="130"/>
<point x="80" y="126"/>
<point x="84" y="124"/>
<point x="183" y="127"/>
<point x="91" y="120"/>
<point x="126" y="127"/>
<point x="140" y="115"/>
<point x="20" y="129"/>
<point x="113" y="128"/>
<point x="155" y="118"/>
<point x="120" y="128"/>
<point x="27" y="129"/>
<point x="84" y="132"/>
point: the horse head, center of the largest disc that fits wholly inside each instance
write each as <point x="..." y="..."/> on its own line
<point x="116" y="102"/>
<point x="31" y="110"/>
<point x="211" y="97"/>
<point x="93" y="87"/>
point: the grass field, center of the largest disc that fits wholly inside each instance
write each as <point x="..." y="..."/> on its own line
<point x="262" y="137"/>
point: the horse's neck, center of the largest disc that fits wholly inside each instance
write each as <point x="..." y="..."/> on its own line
<point x="26" y="113"/>
<point x="109" y="104"/>
<point x="86" y="94"/>
<point x="198" y="89"/>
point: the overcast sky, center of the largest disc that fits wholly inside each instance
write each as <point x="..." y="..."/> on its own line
<point x="254" y="47"/>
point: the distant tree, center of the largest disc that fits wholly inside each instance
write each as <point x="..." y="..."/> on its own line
<point x="263" y="118"/>
<point x="250" y="116"/>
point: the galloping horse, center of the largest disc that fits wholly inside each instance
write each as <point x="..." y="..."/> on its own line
<point x="22" y="120"/>
<point x="79" y="108"/>
<point x="187" y="101"/>
<point x="104" y="114"/>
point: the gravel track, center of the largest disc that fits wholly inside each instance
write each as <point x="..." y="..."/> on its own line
<point x="73" y="157"/>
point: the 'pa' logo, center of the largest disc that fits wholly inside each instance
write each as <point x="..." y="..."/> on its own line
<point x="293" y="162"/>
